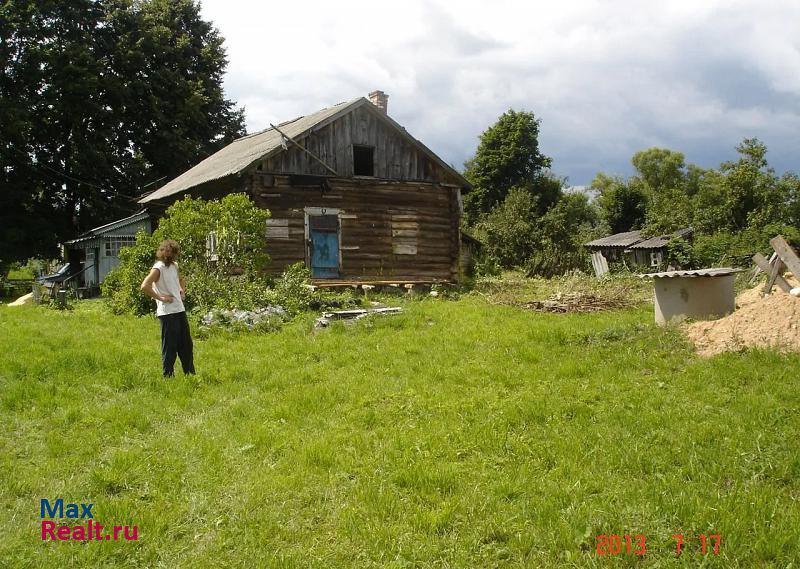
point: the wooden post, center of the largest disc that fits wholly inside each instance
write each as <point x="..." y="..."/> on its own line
<point x="777" y="270"/>
<point x="765" y="266"/>
<point x="787" y="254"/>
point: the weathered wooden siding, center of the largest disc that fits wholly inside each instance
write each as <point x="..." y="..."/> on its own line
<point x="395" y="157"/>
<point x="389" y="229"/>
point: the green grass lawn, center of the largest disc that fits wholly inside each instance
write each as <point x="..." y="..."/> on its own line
<point x="459" y="434"/>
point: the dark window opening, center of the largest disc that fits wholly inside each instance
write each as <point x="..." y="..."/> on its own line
<point x="363" y="160"/>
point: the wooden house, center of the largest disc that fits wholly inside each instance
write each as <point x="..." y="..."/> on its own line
<point x="351" y="193"/>
<point x="92" y="255"/>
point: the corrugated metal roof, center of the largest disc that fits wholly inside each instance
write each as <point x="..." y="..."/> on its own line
<point x="661" y="240"/>
<point x="98" y="231"/>
<point x="245" y="151"/>
<point x="625" y="239"/>
<point x="242" y="152"/>
<point x="716" y="272"/>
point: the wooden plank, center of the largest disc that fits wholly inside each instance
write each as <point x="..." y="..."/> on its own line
<point x="277" y="228"/>
<point x="778" y="268"/>
<point x="599" y="264"/>
<point x="762" y="262"/>
<point x="403" y="249"/>
<point x="787" y="254"/>
<point x="757" y="270"/>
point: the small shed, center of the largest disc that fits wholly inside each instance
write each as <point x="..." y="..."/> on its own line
<point x="652" y="252"/>
<point x="613" y="247"/>
<point x="96" y="252"/>
<point x="703" y="294"/>
<point x="634" y="248"/>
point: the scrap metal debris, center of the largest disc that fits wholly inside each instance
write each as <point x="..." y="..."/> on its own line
<point x="350" y="316"/>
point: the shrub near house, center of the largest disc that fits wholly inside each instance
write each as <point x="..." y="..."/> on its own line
<point x="240" y="230"/>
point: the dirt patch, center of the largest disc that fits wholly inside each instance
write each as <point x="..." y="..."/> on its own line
<point x="579" y="302"/>
<point x="759" y="322"/>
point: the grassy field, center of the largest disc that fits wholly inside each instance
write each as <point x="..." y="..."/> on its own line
<point x="459" y="434"/>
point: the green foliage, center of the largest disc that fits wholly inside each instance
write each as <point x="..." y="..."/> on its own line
<point x="234" y="280"/>
<point x="736" y="249"/>
<point x="292" y="289"/>
<point x="508" y="157"/>
<point x="121" y="285"/>
<point x="680" y="254"/>
<point x="560" y="234"/>
<point x="668" y="211"/>
<point x="99" y="99"/>
<point x="515" y="235"/>
<point x="239" y="226"/>
<point x="623" y="206"/>
<point x="660" y="169"/>
<point x="507" y="232"/>
<point x="741" y="194"/>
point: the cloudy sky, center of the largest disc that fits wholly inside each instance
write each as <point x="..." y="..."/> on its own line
<point x="605" y="78"/>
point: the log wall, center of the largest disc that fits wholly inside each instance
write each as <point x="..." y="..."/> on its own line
<point x="389" y="230"/>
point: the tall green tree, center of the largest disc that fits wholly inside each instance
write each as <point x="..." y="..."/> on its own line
<point x="623" y="205"/>
<point x="743" y="193"/>
<point x="508" y="156"/>
<point x="656" y="198"/>
<point x="97" y="99"/>
<point x="660" y="169"/>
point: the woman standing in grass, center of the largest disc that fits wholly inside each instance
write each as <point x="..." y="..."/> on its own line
<point x="166" y="287"/>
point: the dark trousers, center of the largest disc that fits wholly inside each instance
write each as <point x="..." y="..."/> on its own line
<point x="176" y="340"/>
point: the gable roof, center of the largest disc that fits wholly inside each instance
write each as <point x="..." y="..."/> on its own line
<point x="660" y="241"/>
<point x="103" y="229"/>
<point x="246" y="151"/>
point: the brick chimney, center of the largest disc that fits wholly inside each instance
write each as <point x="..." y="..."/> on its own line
<point x="380" y="100"/>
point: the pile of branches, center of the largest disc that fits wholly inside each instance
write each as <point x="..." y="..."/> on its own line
<point x="579" y="302"/>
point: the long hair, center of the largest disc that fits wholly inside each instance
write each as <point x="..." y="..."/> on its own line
<point x="168" y="251"/>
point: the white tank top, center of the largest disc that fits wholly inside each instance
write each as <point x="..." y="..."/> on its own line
<point x="168" y="283"/>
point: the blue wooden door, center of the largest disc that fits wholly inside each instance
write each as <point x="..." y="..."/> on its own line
<point x="324" y="235"/>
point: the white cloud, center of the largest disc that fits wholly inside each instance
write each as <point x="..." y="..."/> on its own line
<point x="606" y="78"/>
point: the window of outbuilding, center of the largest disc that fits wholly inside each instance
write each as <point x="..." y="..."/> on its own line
<point x="363" y="160"/>
<point x="655" y="258"/>
<point x="113" y="246"/>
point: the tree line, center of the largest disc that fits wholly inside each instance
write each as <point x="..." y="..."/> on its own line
<point x="101" y="100"/>
<point x="527" y="219"/>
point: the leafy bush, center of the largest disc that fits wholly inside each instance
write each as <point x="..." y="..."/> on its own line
<point x="508" y="231"/>
<point x="234" y="281"/>
<point x="680" y="254"/>
<point x="231" y="280"/>
<point x="516" y="235"/>
<point x="292" y="289"/>
<point x="736" y="249"/>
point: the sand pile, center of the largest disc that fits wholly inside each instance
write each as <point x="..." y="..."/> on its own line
<point x="23" y="300"/>
<point x="770" y="322"/>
